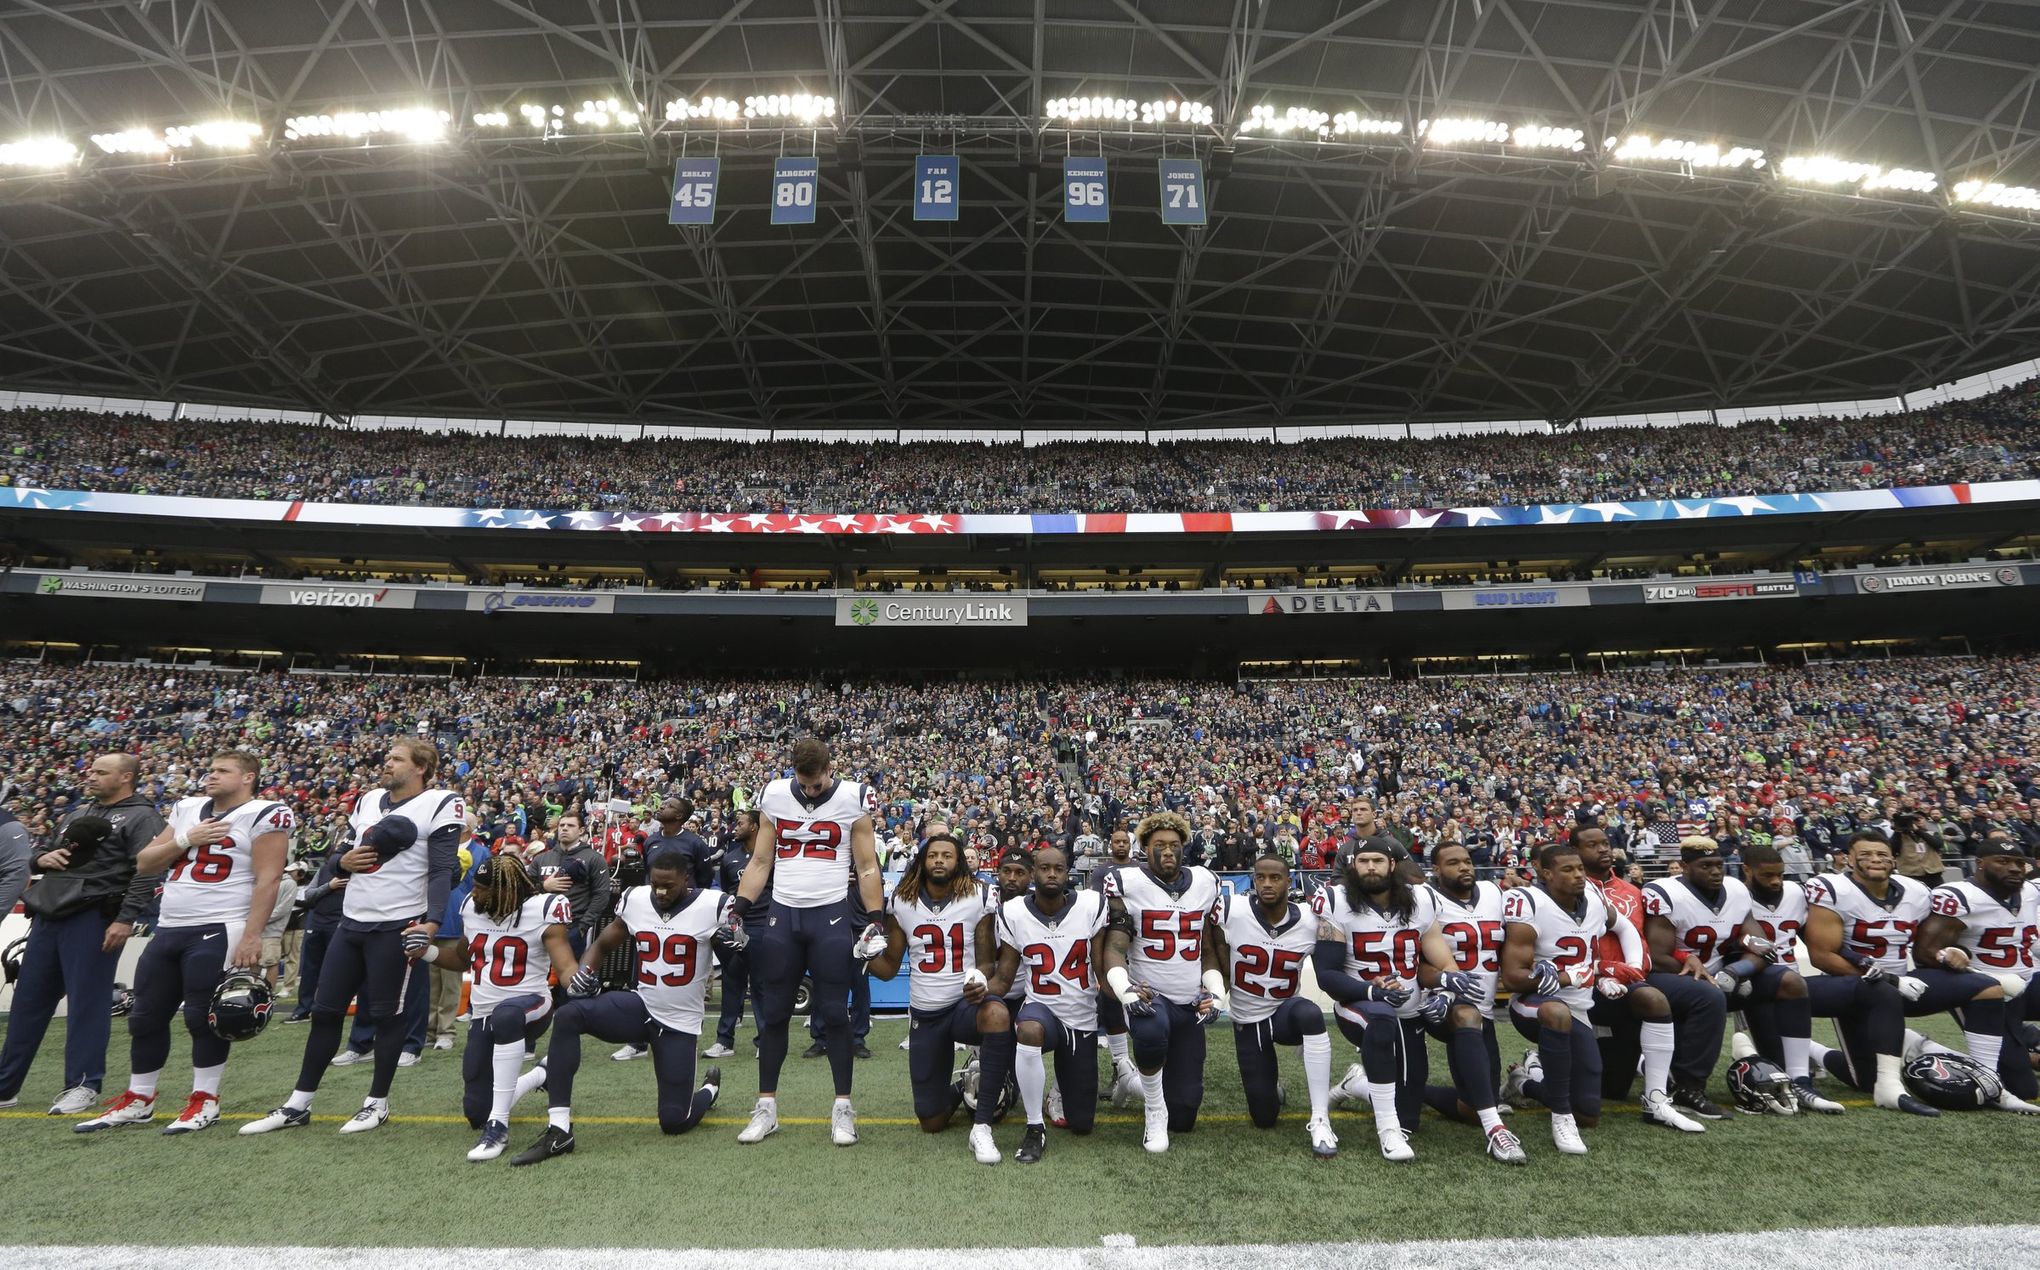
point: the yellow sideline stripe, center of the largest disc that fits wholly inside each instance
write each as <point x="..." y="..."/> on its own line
<point x="862" y="1121"/>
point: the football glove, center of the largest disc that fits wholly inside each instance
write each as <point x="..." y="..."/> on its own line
<point x="1611" y="988"/>
<point x="731" y="934"/>
<point x="1206" y="1017"/>
<point x="1622" y="972"/>
<point x="1759" y="947"/>
<point x="1731" y="987"/>
<point x="1544" y="980"/>
<point x="1910" y="988"/>
<point x="416" y="940"/>
<point x="1458" y="983"/>
<point x="1389" y="992"/>
<point x="1873" y="973"/>
<point x="870" y="942"/>
<point x="1435" y="1006"/>
<point x="585" y="983"/>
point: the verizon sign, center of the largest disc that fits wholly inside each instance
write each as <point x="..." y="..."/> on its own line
<point x="321" y="596"/>
<point x="1720" y="589"/>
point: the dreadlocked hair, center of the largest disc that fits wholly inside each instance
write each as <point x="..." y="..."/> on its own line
<point x="914" y="880"/>
<point x="502" y="887"/>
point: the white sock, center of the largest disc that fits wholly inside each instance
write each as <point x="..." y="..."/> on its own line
<point x="770" y="1102"/>
<point x="299" y="1100"/>
<point x="380" y="1104"/>
<point x="1382" y="1094"/>
<point x="1115" y="1044"/>
<point x="206" y="1080"/>
<point x="1890" y="1084"/>
<point x="1917" y="1042"/>
<point x="508" y="1060"/>
<point x="527" y="1082"/>
<point x="1489" y="1118"/>
<point x="1984" y="1047"/>
<point x="1657" y="1056"/>
<point x="1151" y="1090"/>
<point x="1797" y="1050"/>
<point x="1816" y="1054"/>
<point x="561" y="1118"/>
<point x="1029" y="1073"/>
<point x="144" y="1083"/>
<point x="1317" y="1073"/>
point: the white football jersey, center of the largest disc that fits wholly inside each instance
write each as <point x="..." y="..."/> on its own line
<point x="1699" y="927"/>
<point x="673" y="953"/>
<point x="942" y="942"/>
<point x="217" y="883"/>
<point x="1266" y="963"/>
<point x="812" y="865"/>
<point x="396" y="889"/>
<point x="1883" y="932"/>
<point x="1378" y="944"/>
<point x="509" y="958"/>
<point x="1566" y="939"/>
<point x="1473" y="931"/>
<point x="1997" y="939"/>
<point x="1167" y="950"/>
<point x="1781" y="922"/>
<point x="1055" y="953"/>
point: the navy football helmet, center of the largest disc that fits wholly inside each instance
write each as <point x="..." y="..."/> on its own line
<point x="240" y="1007"/>
<point x="1760" y="1088"/>
<point x="1952" y="1082"/>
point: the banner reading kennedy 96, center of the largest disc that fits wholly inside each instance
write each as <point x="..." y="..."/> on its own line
<point x="929" y="611"/>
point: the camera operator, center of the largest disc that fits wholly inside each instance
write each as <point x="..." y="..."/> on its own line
<point x="1917" y="847"/>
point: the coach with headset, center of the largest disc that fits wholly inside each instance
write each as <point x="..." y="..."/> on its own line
<point x="82" y="911"/>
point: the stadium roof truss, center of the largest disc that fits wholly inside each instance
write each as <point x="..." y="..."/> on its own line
<point x="501" y="272"/>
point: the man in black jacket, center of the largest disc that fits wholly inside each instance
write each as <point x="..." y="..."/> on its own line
<point x="321" y="900"/>
<point x="82" y="911"/>
<point x="573" y="868"/>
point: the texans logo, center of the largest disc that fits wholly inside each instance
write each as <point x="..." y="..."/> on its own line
<point x="261" y="1009"/>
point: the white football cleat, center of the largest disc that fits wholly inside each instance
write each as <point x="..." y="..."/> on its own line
<point x="131" y="1108"/>
<point x="1658" y="1108"/>
<point x="981" y="1144"/>
<point x="1155" y="1137"/>
<point x="1324" y="1144"/>
<point x="764" y="1122"/>
<point x="1055" y="1108"/>
<point x="281" y="1118"/>
<point x="2006" y="1102"/>
<point x="369" y="1117"/>
<point x="495" y="1136"/>
<point x="201" y="1111"/>
<point x="1126" y="1086"/>
<point x="843" y="1124"/>
<point x="1350" y="1089"/>
<point x="1565" y="1135"/>
<point x="629" y="1052"/>
<point x="1395" y="1145"/>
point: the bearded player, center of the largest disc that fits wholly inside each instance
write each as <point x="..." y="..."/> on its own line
<point x="225" y="852"/>
<point x="816" y="847"/>
<point x="516" y="935"/>
<point x="1377" y="946"/>
<point x="405" y="857"/>
<point x="672" y="927"/>
<point x="1263" y="944"/>
<point x="1048" y="940"/>
<point x="1153" y="961"/>
<point x="944" y="918"/>
<point x="1986" y="925"/>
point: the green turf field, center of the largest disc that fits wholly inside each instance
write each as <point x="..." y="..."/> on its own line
<point x="408" y="1184"/>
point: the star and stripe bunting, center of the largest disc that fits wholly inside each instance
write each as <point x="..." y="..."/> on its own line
<point x="1038" y="523"/>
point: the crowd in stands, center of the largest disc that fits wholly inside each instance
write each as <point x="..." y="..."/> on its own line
<point x="1985" y="438"/>
<point x="1939" y="749"/>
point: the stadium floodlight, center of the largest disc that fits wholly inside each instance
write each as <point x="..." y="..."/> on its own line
<point x="492" y="119"/>
<point x="221" y="134"/>
<point x="1826" y="169"/>
<point x="1537" y="136"/>
<point x="804" y="108"/>
<point x="131" y="141"/>
<point x="2021" y="198"/>
<point x="414" y="123"/>
<point x="38" y="152"/>
<point x="1908" y="180"/>
<point x="1640" y="147"/>
<point x="1349" y="123"/>
<point x="720" y="109"/>
<point x="1460" y="132"/>
<point x="1296" y="119"/>
<point x="604" y="113"/>
<point x="1078" y="110"/>
<point x="1170" y="110"/>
